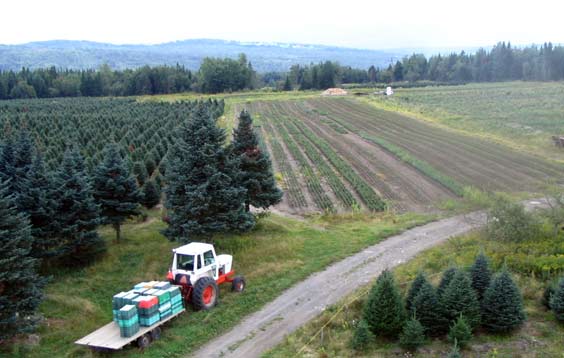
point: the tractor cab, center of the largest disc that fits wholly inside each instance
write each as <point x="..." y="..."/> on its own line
<point x="199" y="271"/>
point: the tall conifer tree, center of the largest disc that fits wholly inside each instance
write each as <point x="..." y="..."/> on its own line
<point x="203" y="195"/>
<point x="256" y="169"/>
<point x="20" y="285"/>
<point x="502" y="305"/>
<point x="77" y="212"/>
<point x="115" y="190"/>
<point x="460" y="298"/>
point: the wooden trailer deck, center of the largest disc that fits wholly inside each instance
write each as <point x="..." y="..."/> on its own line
<point x="108" y="336"/>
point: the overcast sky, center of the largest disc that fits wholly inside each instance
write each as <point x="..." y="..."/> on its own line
<point x="371" y="24"/>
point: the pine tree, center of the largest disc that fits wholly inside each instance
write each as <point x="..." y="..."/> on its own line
<point x="503" y="304"/>
<point x="428" y="310"/>
<point x="460" y="298"/>
<point x="547" y="295"/>
<point x="20" y="285"/>
<point x="115" y="190"/>
<point x="287" y="84"/>
<point x="445" y="280"/>
<point x="77" y="212"/>
<point x="140" y="172"/>
<point x="420" y="279"/>
<point x="151" y="194"/>
<point x="7" y="164"/>
<point x="481" y="275"/>
<point x="256" y="168"/>
<point x="362" y="336"/>
<point x="455" y="352"/>
<point x="202" y="192"/>
<point x="557" y="301"/>
<point x="37" y="200"/>
<point x="413" y="335"/>
<point x="460" y="332"/>
<point x="385" y="311"/>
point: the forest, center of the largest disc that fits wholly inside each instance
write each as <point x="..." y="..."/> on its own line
<point x="218" y="75"/>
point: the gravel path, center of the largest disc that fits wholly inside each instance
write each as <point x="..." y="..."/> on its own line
<point x="266" y="328"/>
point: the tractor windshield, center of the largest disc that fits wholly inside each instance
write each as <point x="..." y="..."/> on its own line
<point x="185" y="262"/>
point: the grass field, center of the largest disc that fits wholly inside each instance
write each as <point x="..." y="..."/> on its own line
<point x="276" y="254"/>
<point x="521" y="114"/>
<point x="541" y="336"/>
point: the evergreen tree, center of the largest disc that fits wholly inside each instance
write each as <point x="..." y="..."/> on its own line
<point x="557" y="301"/>
<point x="460" y="298"/>
<point x="37" y="200"/>
<point x="455" y="352"/>
<point x="481" y="275"/>
<point x="413" y="335"/>
<point x="502" y="304"/>
<point x="256" y="169"/>
<point x="20" y="285"/>
<point x="77" y="212"/>
<point x="385" y="311"/>
<point x="24" y="151"/>
<point x="460" y="333"/>
<point x="151" y="194"/>
<point x="428" y="310"/>
<point x="7" y="164"/>
<point x="362" y="336"/>
<point x="287" y="84"/>
<point x="420" y="279"/>
<point x="202" y="193"/>
<point x="115" y="190"/>
<point x="547" y="295"/>
<point x="445" y="280"/>
<point x="140" y="172"/>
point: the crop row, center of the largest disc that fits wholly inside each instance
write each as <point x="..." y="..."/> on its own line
<point x="366" y="193"/>
<point x="312" y="182"/>
<point x="293" y="190"/>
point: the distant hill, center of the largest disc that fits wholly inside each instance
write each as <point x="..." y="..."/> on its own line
<point x="264" y="56"/>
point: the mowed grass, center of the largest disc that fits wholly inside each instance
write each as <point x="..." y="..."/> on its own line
<point x="278" y="253"/>
<point x="541" y="336"/>
<point x="523" y="115"/>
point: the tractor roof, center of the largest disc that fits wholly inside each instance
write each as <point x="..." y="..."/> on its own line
<point x="193" y="248"/>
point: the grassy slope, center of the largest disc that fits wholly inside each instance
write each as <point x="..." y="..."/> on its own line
<point x="277" y="254"/>
<point x="541" y="336"/>
<point x="523" y="115"/>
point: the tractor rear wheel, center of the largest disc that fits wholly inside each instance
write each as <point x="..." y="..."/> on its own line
<point x="238" y="284"/>
<point x="144" y="341"/>
<point x="205" y="294"/>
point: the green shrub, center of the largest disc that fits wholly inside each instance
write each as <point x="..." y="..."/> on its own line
<point x="557" y="301"/>
<point x="460" y="298"/>
<point x="460" y="333"/>
<point x="413" y="335"/>
<point x="502" y="305"/>
<point x="384" y="311"/>
<point x="362" y="336"/>
<point x="509" y="221"/>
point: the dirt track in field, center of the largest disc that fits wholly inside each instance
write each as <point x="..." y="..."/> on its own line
<point x="266" y="328"/>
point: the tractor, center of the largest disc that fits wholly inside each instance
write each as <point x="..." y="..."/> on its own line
<point x="198" y="271"/>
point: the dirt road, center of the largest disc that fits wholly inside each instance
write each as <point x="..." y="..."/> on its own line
<point x="266" y="328"/>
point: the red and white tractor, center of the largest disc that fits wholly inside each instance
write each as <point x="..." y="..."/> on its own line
<point x="199" y="271"/>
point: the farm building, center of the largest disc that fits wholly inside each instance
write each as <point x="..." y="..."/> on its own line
<point x="334" y="92"/>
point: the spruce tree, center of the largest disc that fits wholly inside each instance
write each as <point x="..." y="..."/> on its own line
<point x="37" y="200"/>
<point x="428" y="310"/>
<point x="557" y="301"/>
<point x="420" y="279"/>
<point x="445" y="280"/>
<point x="413" y="335"/>
<point x="481" y="275"/>
<point x="256" y="168"/>
<point x="151" y="194"/>
<point x="203" y="195"/>
<point x="460" y="298"/>
<point x="77" y="212"/>
<point x="20" y="285"/>
<point x="502" y="304"/>
<point x="7" y="164"/>
<point x="287" y="84"/>
<point x="385" y="311"/>
<point x="362" y="336"/>
<point x="115" y="190"/>
<point x="455" y="351"/>
<point x="140" y="172"/>
<point x="547" y="295"/>
<point x="460" y="333"/>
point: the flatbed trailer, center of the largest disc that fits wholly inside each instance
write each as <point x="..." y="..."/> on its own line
<point x="108" y="337"/>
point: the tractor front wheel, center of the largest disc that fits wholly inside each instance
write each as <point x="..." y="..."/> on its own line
<point x="205" y="294"/>
<point x="144" y="341"/>
<point x="238" y="284"/>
